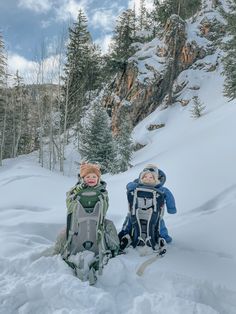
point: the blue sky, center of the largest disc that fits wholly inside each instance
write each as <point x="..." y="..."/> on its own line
<point x="25" y="24"/>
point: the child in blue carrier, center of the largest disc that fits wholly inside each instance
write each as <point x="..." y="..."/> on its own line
<point x="144" y="224"/>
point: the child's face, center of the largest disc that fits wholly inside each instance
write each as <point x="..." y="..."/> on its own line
<point x="148" y="178"/>
<point x="91" y="179"/>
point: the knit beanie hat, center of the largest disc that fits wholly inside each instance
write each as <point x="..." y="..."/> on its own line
<point x="150" y="168"/>
<point x="86" y="168"/>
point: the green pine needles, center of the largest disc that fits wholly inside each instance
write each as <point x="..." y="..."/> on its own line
<point x="229" y="60"/>
<point x="197" y="108"/>
<point x="95" y="139"/>
<point x="97" y="145"/>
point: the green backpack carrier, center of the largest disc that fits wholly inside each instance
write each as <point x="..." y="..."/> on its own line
<point x="87" y="228"/>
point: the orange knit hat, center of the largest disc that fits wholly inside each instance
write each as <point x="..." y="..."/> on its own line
<point x="86" y="168"/>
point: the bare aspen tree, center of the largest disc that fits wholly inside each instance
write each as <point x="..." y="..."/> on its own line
<point x="3" y="113"/>
<point x="66" y="100"/>
<point x="58" y="140"/>
<point x="173" y="65"/>
<point x="50" y="117"/>
<point x="38" y="99"/>
<point x="3" y="129"/>
<point x="17" y="114"/>
<point x="60" y="53"/>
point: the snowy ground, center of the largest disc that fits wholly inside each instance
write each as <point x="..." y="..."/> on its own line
<point x="197" y="275"/>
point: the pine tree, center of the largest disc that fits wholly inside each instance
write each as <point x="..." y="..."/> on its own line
<point x="197" y="108"/>
<point x="96" y="144"/>
<point x="183" y="8"/>
<point x="124" y="145"/>
<point x="82" y="70"/>
<point x="145" y="24"/>
<point x="93" y="74"/>
<point x="154" y="18"/>
<point x="230" y="58"/>
<point x="124" y="37"/>
<point x="142" y="15"/>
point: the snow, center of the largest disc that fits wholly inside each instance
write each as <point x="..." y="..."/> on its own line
<point x="148" y="63"/>
<point x="147" y="60"/>
<point x="197" y="275"/>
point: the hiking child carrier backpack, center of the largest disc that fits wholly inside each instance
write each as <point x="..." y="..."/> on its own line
<point x="146" y="214"/>
<point x="87" y="228"/>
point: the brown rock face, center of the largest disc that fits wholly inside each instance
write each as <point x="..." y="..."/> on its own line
<point x="205" y="28"/>
<point x="131" y="98"/>
<point x="190" y="53"/>
<point x="128" y="96"/>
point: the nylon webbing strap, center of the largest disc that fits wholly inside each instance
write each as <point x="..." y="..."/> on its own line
<point x="154" y="193"/>
<point x="145" y="211"/>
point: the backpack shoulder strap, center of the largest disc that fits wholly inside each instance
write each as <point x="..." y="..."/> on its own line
<point x="146" y="212"/>
<point x="140" y="192"/>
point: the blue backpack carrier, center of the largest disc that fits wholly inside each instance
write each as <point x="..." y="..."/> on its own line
<point x="146" y="214"/>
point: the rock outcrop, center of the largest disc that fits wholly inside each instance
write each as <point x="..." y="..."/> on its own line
<point x="149" y="75"/>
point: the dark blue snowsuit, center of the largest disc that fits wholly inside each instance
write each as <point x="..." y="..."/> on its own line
<point x="169" y="201"/>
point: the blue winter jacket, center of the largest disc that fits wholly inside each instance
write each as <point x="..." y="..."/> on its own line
<point x="169" y="201"/>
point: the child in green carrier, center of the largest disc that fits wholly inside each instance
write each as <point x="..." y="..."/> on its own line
<point x="87" y="229"/>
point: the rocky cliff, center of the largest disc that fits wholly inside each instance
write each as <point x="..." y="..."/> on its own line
<point x="150" y="76"/>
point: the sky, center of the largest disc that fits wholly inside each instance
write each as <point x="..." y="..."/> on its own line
<point x="26" y="24"/>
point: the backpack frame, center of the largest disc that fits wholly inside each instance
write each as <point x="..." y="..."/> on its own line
<point x="85" y="229"/>
<point x="88" y="229"/>
<point x="146" y="214"/>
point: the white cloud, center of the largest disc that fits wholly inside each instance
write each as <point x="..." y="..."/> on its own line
<point x="104" y="42"/>
<point x="45" y="24"/>
<point x="136" y="3"/>
<point x="104" y="19"/>
<point x="30" y="70"/>
<point x="69" y="9"/>
<point x="36" y="5"/>
<point x="17" y="62"/>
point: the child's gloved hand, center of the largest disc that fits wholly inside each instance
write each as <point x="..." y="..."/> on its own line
<point x="72" y="194"/>
<point x="125" y="242"/>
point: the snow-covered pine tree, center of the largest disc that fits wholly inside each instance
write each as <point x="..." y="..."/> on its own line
<point x="197" y="108"/>
<point x="229" y="60"/>
<point x="124" y="144"/>
<point x="96" y="144"/>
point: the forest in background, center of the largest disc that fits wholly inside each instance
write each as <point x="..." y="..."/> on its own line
<point x="45" y="115"/>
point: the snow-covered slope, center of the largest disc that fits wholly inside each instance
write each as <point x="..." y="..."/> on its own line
<point x="197" y="275"/>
